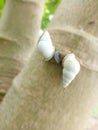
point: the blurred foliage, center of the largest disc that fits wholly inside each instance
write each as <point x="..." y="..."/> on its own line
<point x="1" y="6"/>
<point x="49" y="9"/>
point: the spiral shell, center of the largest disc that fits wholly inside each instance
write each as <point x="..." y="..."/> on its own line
<point x="46" y="47"/>
<point x="71" y="68"/>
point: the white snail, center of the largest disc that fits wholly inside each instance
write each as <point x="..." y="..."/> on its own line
<point x="71" y="68"/>
<point x="46" y="47"/>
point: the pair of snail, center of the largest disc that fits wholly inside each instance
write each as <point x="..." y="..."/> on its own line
<point x="71" y="65"/>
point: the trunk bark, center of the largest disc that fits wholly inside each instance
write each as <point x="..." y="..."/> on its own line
<point x="37" y="99"/>
<point x="19" y="25"/>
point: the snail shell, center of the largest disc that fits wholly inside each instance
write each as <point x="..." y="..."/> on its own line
<point x="71" y="68"/>
<point x="46" y="47"/>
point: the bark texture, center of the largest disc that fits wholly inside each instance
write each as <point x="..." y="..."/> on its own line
<point x="37" y="99"/>
<point x="19" y="26"/>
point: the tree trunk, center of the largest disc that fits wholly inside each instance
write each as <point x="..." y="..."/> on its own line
<point x="37" y="99"/>
<point x="19" y="28"/>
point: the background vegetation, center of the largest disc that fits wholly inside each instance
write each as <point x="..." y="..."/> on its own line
<point x="49" y="10"/>
<point x="1" y="6"/>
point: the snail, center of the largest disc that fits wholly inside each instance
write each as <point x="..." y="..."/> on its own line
<point x="71" y="68"/>
<point x="71" y="65"/>
<point x="46" y="47"/>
